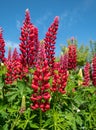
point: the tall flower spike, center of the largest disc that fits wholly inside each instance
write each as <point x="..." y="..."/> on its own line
<point x="29" y="42"/>
<point x="59" y="80"/>
<point x="61" y="75"/>
<point x="40" y="83"/>
<point x="50" y="41"/>
<point x="86" y="81"/>
<point x="15" y="55"/>
<point x="72" y="56"/>
<point x="2" y="45"/>
<point x="94" y="70"/>
<point x="64" y="61"/>
<point x="15" y="69"/>
<point x="9" y="57"/>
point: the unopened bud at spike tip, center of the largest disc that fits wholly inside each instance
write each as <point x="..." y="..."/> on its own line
<point x="57" y="17"/>
<point x="27" y="10"/>
<point x="1" y="30"/>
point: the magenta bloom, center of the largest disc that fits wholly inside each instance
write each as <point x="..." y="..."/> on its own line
<point x="60" y="76"/>
<point x="86" y="81"/>
<point x="2" y="45"/>
<point x="15" y="69"/>
<point x="72" y="57"/>
<point x="64" y="61"/>
<point x="94" y="70"/>
<point x="50" y="41"/>
<point x="29" y="42"/>
<point x="40" y="82"/>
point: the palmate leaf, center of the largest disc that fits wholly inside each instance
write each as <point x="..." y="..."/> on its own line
<point x="78" y="120"/>
<point x="1" y="82"/>
<point x="12" y="94"/>
<point x="3" y="112"/>
<point x="33" y="125"/>
<point x="56" y="120"/>
<point x="15" y="92"/>
<point x="27" y="120"/>
<point x="90" y="89"/>
<point x="78" y="99"/>
<point x="70" y="119"/>
<point x="46" y="123"/>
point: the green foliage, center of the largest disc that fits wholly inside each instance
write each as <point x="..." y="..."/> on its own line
<point x="82" y="55"/>
<point x="74" y="110"/>
<point x="92" y="48"/>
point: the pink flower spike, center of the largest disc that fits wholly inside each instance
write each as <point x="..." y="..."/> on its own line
<point x="49" y="41"/>
<point x="86" y="81"/>
<point x="41" y="86"/>
<point x="2" y="46"/>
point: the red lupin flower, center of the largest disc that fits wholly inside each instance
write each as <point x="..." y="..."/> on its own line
<point x="2" y="45"/>
<point x="29" y="42"/>
<point x="15" y="69"/>
<point x="60" y="76"/>
<point x="50" y="41"/>
<point x="72" y="56"/>
<point x="40" y="82"/>
<point x="64" y="61"/>
<point x="86" y="81"/>
<point x="94" y="70"/>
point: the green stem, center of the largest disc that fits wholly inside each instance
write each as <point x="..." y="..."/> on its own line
<point x="15" y="122"/>
<point x="3" y="95"/>
<point x="40" y="119"/>
<point x="54" y="110"/>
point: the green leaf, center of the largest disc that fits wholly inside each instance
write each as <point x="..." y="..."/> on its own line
<point x="1" y="128"/>
<point x="5" y="127"/>
<point x="33" y="125"/>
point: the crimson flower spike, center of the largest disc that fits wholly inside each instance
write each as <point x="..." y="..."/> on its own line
<point x="86" y="81"/>
<point x="64" y="61"/>
<point x="50" y="40"/>
<point x="72" y="56"/>
<point x="29" y="41"/>
<point x="15" y="69"/>
<point x="94" y="70"/>
<point x="15" y="55"/>
<point x="2" y="45"/>
<point x="40" y="83"/>
<point x="60" y="77"/>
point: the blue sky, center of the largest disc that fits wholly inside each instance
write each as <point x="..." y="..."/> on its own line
<point x="77" y="18"/>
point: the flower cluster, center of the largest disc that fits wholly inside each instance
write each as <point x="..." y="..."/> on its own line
<point x="2" y="45"/>
<point x="15" y="69"/>
<point x="94" y="71"/>
<point x="86" y="81"/>
<point x="29" y="42"/>
<point x="50" y="41"/>
<point x="64" y="61"/>
<point x="72" y="56"/>
<point x="40" y="82"/>
<point x="60" y="75"/>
